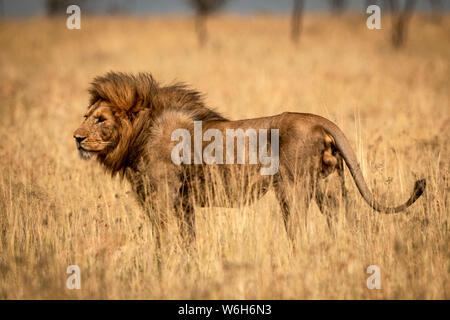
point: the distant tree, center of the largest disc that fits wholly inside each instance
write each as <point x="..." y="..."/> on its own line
<point x="1" y="8"/>
<point x="338" y="6"/>
<point x="203" y="8"/>
<point x="370" y="2"/>
<point x="296" y="22"/>
<point x="115" y="8"/>
<point x="56" y="7"/>
<point x="400" y="18"/>
<point x="436" y="13"/>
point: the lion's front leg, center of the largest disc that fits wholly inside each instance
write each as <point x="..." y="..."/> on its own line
<point x="172" y="199"/>
<point x="155" y="211"/>
<point x="162" y="195"/>
<point x="176" y="200"/>
<point x="186" y="219"/>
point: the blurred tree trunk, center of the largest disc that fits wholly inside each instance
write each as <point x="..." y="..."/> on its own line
<point x="203" y="8"/>
<point x="296" y="23"/>
<point x="57" y="7"/>
<point x="436" y="13"/>
<point x="200" y="27"/>
<point x="338" y="6"/>
<point x="400" y="19"/>
<point x="371" y="2"/>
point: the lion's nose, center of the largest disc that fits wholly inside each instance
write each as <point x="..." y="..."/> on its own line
<point x="78" y="138"/>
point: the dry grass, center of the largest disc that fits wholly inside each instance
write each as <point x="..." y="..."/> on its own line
<point x="56" y="210"/>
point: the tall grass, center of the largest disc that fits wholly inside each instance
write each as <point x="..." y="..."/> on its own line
<point x="56" y="210"/>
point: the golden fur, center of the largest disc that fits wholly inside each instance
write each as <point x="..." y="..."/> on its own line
<point x="128" y="127"/>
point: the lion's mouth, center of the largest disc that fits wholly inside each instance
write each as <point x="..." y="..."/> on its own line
<point x="85" y="154"/>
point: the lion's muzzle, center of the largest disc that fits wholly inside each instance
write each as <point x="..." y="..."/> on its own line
<point x="84" y="154"/>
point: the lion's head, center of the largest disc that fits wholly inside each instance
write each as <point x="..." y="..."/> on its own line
<point x="121" y="111"/>
<point x="99" y="132"/>
<point x="117" y="100"/>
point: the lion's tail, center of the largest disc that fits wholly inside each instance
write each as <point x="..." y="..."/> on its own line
<point x="349" y="156"/>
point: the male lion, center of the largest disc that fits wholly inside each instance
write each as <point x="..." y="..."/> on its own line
<point x="129" y="126"/>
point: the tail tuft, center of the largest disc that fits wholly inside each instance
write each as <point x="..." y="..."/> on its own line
<point x="419" y="188"/>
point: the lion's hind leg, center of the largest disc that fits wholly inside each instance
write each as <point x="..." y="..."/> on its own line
<point x="329" y="191"/>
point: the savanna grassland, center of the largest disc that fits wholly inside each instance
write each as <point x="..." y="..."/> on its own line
<point x="57" y="210"/>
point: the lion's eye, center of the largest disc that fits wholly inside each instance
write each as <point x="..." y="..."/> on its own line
<point x="100" y="119"/>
